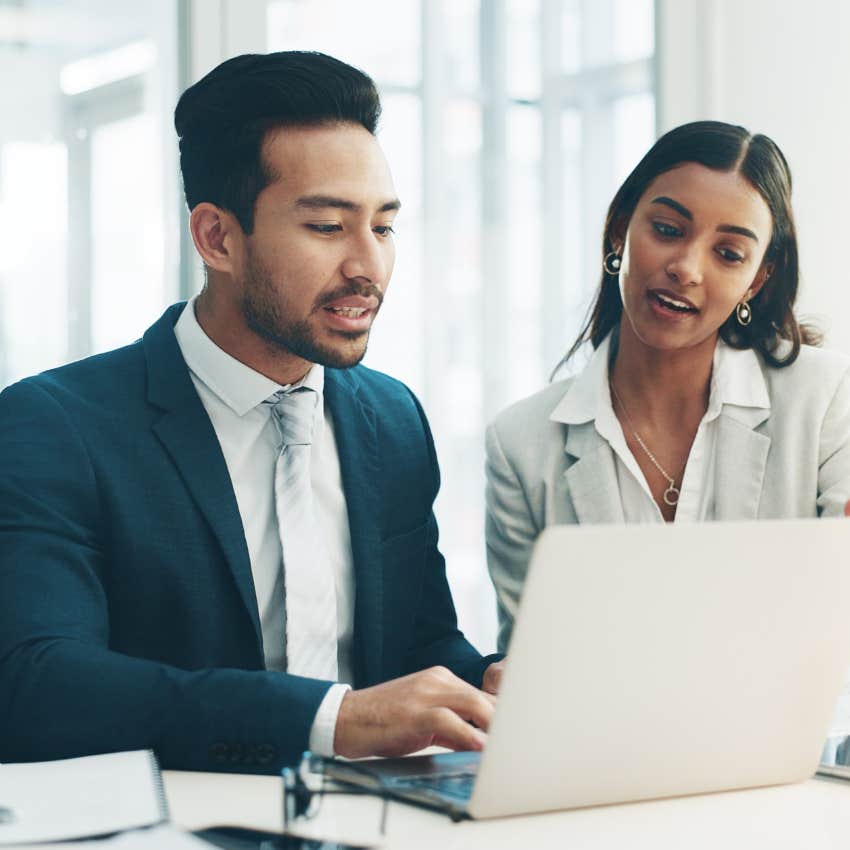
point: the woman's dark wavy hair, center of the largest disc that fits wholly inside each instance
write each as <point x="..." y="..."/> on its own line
<point x="723" y="147"/>
<point x="222" y="120"/>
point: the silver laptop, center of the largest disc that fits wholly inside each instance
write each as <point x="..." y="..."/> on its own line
<point x="654" y="661"/>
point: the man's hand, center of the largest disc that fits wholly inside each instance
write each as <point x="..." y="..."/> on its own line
<point x="432" y="707"/>
<point x="493" y="677"/>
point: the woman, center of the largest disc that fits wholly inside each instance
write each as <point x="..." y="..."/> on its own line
<point x="704" y="398"/>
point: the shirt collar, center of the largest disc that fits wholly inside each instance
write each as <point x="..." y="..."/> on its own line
<point x="737" y="382"/>
<point x="737" y="378"/>
<point x="239" y="386"/>
<point x="588" y="390"/>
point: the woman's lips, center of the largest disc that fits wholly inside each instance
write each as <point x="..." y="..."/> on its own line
<point x="670" y="305"/>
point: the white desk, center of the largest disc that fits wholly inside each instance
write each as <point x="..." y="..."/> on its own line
<point x="813" y="815"/>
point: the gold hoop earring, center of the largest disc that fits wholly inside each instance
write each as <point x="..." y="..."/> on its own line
<point x="744" y="314"/>
<point x="612" y="262"/>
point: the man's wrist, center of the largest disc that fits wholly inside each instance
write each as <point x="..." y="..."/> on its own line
<point x="484" y="665"/>
<point x="323" y="730"/>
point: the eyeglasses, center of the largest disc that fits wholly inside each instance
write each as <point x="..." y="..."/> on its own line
<point x="304" y="787"/>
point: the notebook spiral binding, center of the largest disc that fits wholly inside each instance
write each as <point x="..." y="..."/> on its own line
<point x="156" y="774"/>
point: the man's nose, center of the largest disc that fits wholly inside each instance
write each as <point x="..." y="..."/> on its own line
<point x="368" y="259"/>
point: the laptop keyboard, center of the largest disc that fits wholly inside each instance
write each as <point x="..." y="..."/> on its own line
<point x="457" y="784"/>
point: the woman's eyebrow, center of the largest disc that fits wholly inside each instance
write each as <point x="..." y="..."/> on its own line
<point x="686" y="213"/>
<point x="734" y="228"/>
<point x="675" y="205"/>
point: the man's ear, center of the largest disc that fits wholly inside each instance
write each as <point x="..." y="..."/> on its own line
<point x="217" y="236"/>
<point x="761" y="278"/>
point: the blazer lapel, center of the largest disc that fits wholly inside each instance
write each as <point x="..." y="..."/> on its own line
<point x="741" y="456"/>
<point x="591" y="481"/>
<point x="186" y="433"/>
<point x="357" y="447"/>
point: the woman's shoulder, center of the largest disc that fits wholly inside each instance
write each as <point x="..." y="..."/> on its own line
<point x="810" y="386"/>
<point x="821" y="366"/>
<point x="527" y="422"/>
<point x="811" y="356"/>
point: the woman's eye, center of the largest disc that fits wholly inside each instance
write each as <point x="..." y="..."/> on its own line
<point x="384" y="230"/>
<point x="666" y="230"/>
<point x="730" y="256"/>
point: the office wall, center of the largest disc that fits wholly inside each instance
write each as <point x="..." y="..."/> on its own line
<point x="781" y="67"/>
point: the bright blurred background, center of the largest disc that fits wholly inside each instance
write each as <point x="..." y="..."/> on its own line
<point x="508" y="124"/>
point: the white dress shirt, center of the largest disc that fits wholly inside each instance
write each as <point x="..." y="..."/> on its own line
<point x="735" y="379"/>
<point x="233" y="395"/>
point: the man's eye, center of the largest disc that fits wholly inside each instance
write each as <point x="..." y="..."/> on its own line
<point x="666" y="230"/>
<point x="325" y="228"/>
<point x="384" y="230"/>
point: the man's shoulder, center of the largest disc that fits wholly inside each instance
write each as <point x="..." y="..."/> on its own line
<point x="100" y="376"/>
<point x="113" y="377"/>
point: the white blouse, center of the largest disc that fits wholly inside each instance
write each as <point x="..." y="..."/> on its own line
<point x="735" y="379"/>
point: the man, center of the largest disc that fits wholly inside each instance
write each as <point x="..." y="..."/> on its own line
<point x="202" y="532"/>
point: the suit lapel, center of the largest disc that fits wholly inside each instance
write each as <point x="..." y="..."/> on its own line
<point x="357" y="447"/>
<point x="741" y="456"/>
<point x="186" y="433"/>
<point x="591" y="480"/>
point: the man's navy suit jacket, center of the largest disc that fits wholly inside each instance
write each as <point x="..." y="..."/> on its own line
<point x="128" y="617"/>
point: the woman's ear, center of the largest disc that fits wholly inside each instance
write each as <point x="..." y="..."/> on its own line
<point x="617" y="233"/>
<point x="215" y="233"/>
<point x="761" y="278"/>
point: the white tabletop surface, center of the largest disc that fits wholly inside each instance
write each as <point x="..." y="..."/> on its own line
<point x="811" y="815"/>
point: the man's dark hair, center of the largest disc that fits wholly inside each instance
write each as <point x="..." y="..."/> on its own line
<point x="222" y="120"/>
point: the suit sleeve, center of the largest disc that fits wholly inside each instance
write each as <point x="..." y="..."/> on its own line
<point x="834" y="453"/>
<point x="437" y="638"/>
<point x="63" y="691"/>
<point x="509" y="531"/>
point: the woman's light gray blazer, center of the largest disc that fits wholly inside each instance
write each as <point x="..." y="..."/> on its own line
<point x="791" y="459"/>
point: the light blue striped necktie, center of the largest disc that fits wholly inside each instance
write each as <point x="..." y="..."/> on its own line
<point x="311" y="618"/>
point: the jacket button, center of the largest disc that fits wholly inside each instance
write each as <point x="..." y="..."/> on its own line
<point x="265" y="754"/>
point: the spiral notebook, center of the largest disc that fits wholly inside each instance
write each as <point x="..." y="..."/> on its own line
<point x="80" y="797"/>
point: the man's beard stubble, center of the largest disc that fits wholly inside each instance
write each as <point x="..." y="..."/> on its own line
<point x="261" y="308"/>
